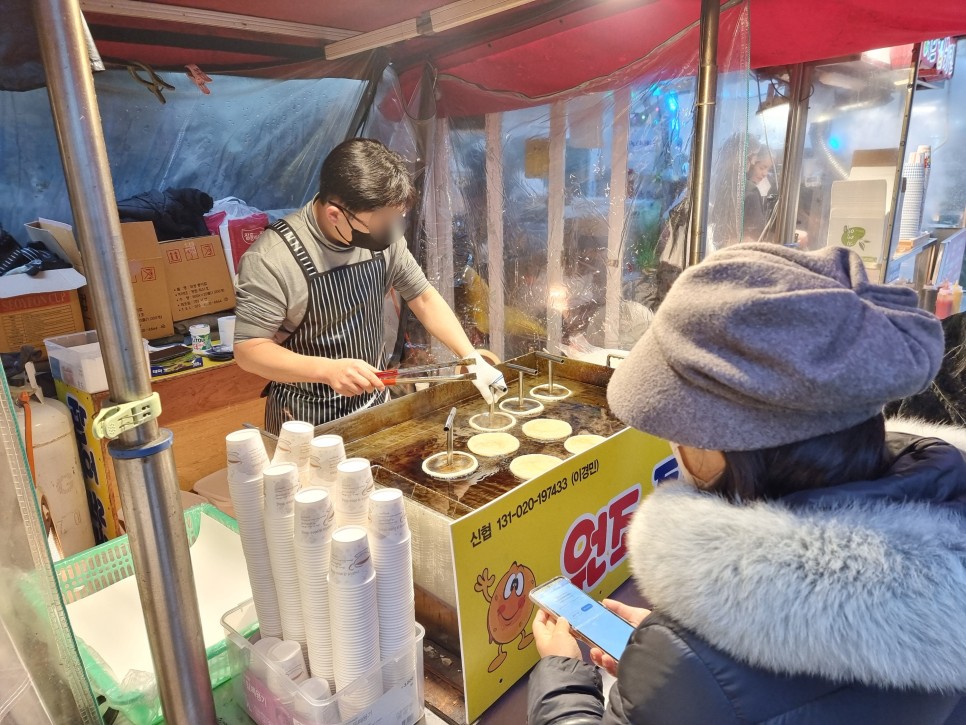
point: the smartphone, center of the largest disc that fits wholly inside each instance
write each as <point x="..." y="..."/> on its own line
<point x="590" y="620"/>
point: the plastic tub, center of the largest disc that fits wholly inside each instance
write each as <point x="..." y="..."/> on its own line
<point x="76" y="359"/>
<point x="283" y="703"/>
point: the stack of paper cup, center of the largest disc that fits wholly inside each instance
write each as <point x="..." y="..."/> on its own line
<point x="281" y="485"/>
<point x="294" y="446"/>
<point x="355" y="620"/>
<point x="392" y="556"/>
<point x="314" y="524"/>
<point x="326" y="453"/>
<point x="246" y="462"/>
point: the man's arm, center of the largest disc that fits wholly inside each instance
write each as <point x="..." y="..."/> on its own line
<point x="269" y="360"/>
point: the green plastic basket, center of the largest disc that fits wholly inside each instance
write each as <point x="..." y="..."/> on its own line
<point x="90" y="571"/>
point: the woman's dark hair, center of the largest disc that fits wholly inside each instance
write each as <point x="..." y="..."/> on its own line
<point x="363" y="175"/>
<point x="855" y="454"/>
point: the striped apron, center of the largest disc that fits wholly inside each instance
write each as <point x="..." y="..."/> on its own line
<point x="343" y="319"/>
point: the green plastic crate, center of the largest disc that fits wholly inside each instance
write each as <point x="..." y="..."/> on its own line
<point x="90" y="571"/>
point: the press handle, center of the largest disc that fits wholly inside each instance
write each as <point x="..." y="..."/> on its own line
<point x="549" y="356"/>
<point x="521" y="369"/>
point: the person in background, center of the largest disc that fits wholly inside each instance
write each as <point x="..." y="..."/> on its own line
<point x="807" y="568"/>
<point x="745" y="171"/>
<point x="310" y="293"/>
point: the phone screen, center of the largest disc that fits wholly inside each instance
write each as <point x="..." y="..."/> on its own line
<point x="591" y="619"/>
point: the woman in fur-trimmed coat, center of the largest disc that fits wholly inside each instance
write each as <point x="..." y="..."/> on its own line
<point x="844" y="606"/>
<point x="808" y="568"/>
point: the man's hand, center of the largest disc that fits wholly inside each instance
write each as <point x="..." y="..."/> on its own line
<point x="632" y="615"/>
<point x="350" y="377"/>
<point x="489" y="381"/>
<point x="553" y="637"/>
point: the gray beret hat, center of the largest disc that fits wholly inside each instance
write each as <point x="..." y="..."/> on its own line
<point x="760" y="346"/>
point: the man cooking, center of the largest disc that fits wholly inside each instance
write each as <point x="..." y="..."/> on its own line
<point x="310" y="291"/>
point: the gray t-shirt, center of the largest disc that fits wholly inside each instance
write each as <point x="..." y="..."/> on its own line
<point x="272" y="292"/>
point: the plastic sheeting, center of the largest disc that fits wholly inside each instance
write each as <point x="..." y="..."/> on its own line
<point x="260" y="140"/>
<point x="41" y="676"/>
<point x="562" y="225"/>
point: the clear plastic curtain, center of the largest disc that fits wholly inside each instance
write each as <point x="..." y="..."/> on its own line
<point x="562" y="224"/>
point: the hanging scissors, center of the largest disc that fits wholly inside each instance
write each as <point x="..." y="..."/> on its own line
<point x="154" y="83"/>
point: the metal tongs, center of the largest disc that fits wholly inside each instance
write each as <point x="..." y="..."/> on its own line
<point x="427" y="373"/>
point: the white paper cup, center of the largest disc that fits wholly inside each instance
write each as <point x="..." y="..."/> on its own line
<point x="315" y="517"/>
<point x="313" y="706"/>
<point x="294" y="441"/>
<point x="288" y="656"/>
<point x="387" y="515"/>
<point x="350" y="560"/>
<point x="262" y="649"/>
<point x="246" y="453"/>
<point x="281" y="485"/>
<point x="326" y="453"/>
<point x="352" y="492"/>
<point x="226" y="331"/>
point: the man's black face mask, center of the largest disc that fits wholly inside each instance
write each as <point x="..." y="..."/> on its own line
<point x="377" y="242"/>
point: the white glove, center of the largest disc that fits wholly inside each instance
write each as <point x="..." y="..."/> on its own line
<point x="489" y="381"/>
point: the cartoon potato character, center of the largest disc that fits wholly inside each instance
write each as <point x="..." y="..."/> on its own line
<point x="510" y="608"/>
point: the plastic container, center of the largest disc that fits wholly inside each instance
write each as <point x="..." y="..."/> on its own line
<point x="97" y="568"/>
<point x="272" y="699"/>
<point x="76" y="359"/>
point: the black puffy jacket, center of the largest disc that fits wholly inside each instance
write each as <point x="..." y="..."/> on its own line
<point x="839" y="606"/>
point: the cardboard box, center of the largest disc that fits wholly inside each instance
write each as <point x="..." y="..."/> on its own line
<point x="96" y="464"/>
<point x="173" y="281"/>
<point x="146" y="265"/>
<point x="33" y="308"/>
<point x="144" y="262"/>
<point x="198" y="279"/>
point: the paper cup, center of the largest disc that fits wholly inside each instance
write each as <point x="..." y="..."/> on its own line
<point x="246" y="453"/>
<point x="315" y="517"/>
<point x="326" y="453"/>
<point x="350" y="559"/>
<point x="281" y="485"/>
<point x="226" y="331"/>
<point x="261" y="655"/>
<point x="352" y="492"/>
<point x="289" y="658"/>
<point x="294" y="441"/>
<point x="387" y="515"/>
<point x="313" y="706"/>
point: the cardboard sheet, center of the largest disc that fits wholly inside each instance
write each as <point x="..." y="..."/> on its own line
<point x="111" y="623"/>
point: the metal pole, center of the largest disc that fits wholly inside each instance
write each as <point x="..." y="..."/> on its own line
<point x="703" y="130"/>
<point x="791" y="180"/>
<point x="144" y="461"/>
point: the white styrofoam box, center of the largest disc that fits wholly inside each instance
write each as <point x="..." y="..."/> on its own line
<point x="77" y="360"/>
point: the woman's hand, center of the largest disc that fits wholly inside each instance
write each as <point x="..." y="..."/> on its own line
<point x="632" y="615"/>
<point x="554" y="637"/>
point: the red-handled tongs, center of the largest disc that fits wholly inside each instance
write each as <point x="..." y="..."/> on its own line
<point x="427" y="373"/>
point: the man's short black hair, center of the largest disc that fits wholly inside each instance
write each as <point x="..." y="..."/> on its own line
<point x="363" y="175"/>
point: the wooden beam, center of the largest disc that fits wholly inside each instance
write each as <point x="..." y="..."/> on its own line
<point x="213" y="19"/>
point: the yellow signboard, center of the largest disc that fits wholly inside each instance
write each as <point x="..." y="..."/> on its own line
<point x="96" y="464"/>
<point x="570" y="521"/>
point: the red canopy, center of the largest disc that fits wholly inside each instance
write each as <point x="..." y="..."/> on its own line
<point x="540" y="48"/>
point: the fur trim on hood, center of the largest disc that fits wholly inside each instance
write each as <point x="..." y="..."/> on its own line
<point x="867" y="591"/>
